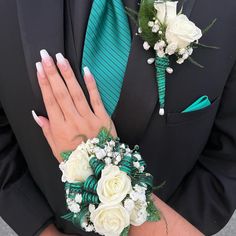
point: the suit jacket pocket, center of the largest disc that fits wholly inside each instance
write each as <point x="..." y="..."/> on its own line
<point x="181" y="118"/>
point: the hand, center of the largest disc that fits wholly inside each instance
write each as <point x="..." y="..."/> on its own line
<point x="69" y="114"/>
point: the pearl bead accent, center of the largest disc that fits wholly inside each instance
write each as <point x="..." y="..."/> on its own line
<point x="150" y="61"/>
<point x="169" y="70"/>
<point x="161" y="112"/>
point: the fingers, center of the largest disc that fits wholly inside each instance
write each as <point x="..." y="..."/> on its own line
<point x="94" y="94"/>
<point x="58" y="86"/>
<point x="53" y="110"/>
<point x="74" y="88"/>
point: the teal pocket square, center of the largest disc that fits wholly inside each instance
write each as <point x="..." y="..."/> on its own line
<point x="201" y="103"/>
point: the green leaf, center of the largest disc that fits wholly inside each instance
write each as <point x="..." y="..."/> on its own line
<point x="153" y="212"/>
<point x="104" y="134"/>
<point x="195" y="62"/>
<point x="206" y="46"/>
<point x="146" y="13"/>
<point x="65" y="155"/>
<point x="125" y="232"/>
<point x="209" y="27"/>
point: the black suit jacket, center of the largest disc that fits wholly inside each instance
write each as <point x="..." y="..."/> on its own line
<point x="195" y="153"/>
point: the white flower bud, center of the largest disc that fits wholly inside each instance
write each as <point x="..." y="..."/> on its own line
<point x="155" y="28"/>
<point x="150" y="23"/>
<point x="171" y="48"/>
<point x="180" y="61"/>
<point x="182" y="51"/>
<point x="185" y="56"/>
<point x="100" y="154"/>
<point x="78" y="198"/>
<point x="146" y="46"/>
<point x="190" y="51"/>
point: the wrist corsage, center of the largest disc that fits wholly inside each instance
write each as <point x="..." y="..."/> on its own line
<point x="107" y="188"/>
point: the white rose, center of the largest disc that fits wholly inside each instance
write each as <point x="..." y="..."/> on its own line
<point x="113" y="186"/>
<point x="139" y="213"/>
<point x="168" y="9"/>
<point x="182" y="31"/>
<point x="110" y="220"/>
<point x="76" y="168"/>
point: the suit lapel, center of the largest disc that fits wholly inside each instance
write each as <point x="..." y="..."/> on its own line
<point x="41" y="25"/>
<point x="76" y="24"/>
<point x="188" y="7"/>
<point x="139" y="94"/>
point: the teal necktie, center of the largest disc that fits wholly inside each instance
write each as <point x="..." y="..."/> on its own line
<point x="106" y="48"/>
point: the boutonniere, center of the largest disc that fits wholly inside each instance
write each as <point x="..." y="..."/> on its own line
<point x="170" y="34"/>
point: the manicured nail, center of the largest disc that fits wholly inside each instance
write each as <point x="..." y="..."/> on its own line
<point x="87" y="72"/>
<point x="61" y="60"/>
<point x="46" y="57"/>
<point x="36" y="118"/>
<point x="40" y="69"/>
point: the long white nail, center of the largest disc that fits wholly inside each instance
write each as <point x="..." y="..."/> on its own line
<point x="36" y="118"/>
<point x="44" y="54"/>
<point x="87" y="71"/>
<point x="60" y="58"/>
<point x="61" y="61"/>
<point x="40" y="69"/>
<point x="47" y="60"/>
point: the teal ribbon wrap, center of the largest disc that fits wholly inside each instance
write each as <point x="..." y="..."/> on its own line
<point x="161" y="63"/>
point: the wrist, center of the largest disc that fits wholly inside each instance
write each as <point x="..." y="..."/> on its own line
<point x="50" y="230"/>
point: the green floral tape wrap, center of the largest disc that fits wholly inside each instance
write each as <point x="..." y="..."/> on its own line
<point x="161" y="65"/>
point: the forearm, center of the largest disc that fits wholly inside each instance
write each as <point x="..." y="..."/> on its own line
<point x="171" y="224"/>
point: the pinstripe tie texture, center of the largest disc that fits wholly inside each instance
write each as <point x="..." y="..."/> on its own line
<point x="106" y="48"/>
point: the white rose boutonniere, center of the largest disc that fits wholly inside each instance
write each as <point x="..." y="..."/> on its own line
<point x="170" y="34"/>
<point x="113" y="186"/>
<point x="77" y="167"/>
<point x="110" y="220"/>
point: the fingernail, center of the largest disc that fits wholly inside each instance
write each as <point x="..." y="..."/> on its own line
<point x="36" y="118"/>
<point x="87" y="71"/>
<point x="46" y="57"/>
<point x="40" y="69"/>
<point x="61" y="60"/>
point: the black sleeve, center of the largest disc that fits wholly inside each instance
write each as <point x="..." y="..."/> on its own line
<point x="22" y="205"/>
<point x="207" y="196"/>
